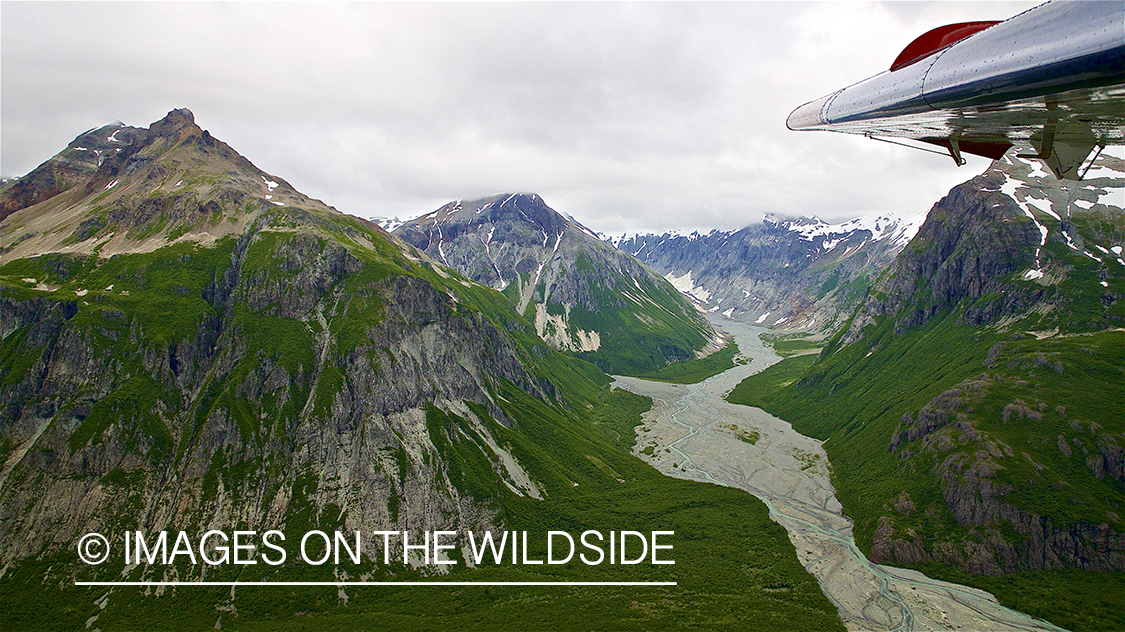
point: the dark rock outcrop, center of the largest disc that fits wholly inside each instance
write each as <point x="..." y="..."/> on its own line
<point x="971" y="239"/>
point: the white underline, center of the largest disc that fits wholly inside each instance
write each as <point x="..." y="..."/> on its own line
<point x="437" y="583"/>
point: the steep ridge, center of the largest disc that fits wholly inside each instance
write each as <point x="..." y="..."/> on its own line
<point x="81" y="158"/>
<point x="188" y="343"/>
<point x="972" y="406"/>
<point x="583" y="296"/>
<point x="794" y="274"/>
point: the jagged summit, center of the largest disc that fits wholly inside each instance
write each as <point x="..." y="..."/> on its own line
<point x="182" y="114"/>
<point x="118" y="189"/>
<point x="178" y="123"/>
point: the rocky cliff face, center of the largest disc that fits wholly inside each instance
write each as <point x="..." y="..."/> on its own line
<point x="189" y="343"/>
<point x="794" y="274"/>
<point x="993" y="226"/>
<point x="971" y="467"/>
<point x="582" y="295"/>
<point x="971" y="240"/>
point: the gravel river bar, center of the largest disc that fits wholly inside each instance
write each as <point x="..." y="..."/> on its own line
<point x="695" y="434"/>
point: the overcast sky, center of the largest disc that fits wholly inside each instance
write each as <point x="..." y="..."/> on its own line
<point x="628" y="116"/>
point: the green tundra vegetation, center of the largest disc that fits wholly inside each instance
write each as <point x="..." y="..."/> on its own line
<point x="786" y="345"/>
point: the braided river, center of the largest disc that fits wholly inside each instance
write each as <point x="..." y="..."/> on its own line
<point x="694" y="434"/>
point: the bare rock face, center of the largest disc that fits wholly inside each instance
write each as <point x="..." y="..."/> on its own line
<point x="970" y="240"/>
<point x="889" y="549"/>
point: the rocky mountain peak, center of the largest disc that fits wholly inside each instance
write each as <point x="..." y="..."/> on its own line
<point x="518" y="207"/>
<point x="175" y="123"/>
<point x="176" y="128"/>
<point x="182" y="113"/>
<point x="582" y="295"/>
<point x="122" y="189"/>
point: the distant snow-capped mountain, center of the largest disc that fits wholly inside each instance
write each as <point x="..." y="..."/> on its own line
<point x="388" y="224"/>
<point x="798" y="273"/>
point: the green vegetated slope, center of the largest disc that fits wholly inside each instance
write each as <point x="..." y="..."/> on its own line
<point x="786" y="345"/>
<point x="582" y="295"/>
<point x="296" y="369"/>
<point x="756" y="389"/>
<point x="696" y="370"/>
<point x="648" y="326"/>
<point x="972" y="413"/>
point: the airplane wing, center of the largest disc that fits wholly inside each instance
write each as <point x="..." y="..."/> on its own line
<point x="1050" y="80"/>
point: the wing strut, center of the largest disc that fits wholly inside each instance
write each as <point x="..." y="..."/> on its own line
<point x="956" y="157"/>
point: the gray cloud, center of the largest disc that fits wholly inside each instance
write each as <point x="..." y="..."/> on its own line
<point x="626" y="115"/>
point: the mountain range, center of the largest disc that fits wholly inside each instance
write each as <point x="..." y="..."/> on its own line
<point x="189" y="343"/>
<point x="793" y="274"/>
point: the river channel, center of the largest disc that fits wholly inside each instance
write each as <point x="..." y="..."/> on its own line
<point x="694" y="434"/>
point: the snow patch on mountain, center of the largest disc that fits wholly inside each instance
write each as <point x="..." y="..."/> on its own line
<point x="684" y="284"/>
<point x="1038" y="194"/>
<point x="900" y="229"/>
<point x="555" y="329"/>
<point x="388" y="224"/>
